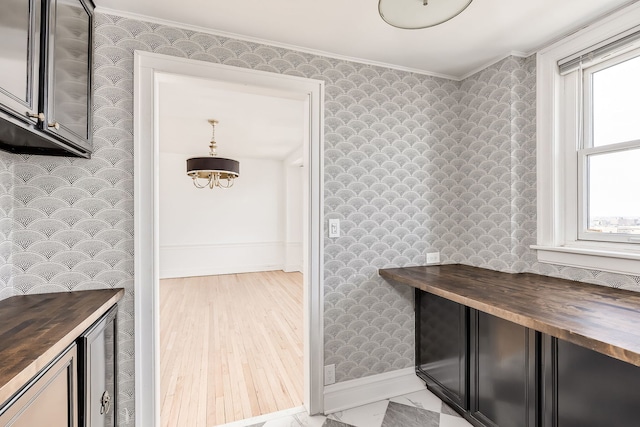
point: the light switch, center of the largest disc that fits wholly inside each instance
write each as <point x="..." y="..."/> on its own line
<point x="334" y="228"/>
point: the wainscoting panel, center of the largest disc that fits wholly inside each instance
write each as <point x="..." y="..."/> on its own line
<point x="292" y="257"/>
<point x="207" y="260"/>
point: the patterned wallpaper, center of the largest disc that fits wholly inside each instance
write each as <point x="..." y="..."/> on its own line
<point x="495" y="181"/>
<point x="6" y="224"/>
<point x="411" y="163"/>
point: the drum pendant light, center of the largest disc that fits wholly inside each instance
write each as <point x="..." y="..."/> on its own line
<point x="213" y="171"/>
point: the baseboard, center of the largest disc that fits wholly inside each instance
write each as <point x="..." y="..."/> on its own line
<point x="289" y="268"/>
<point x="353" y="393"/>
<point x="215" y="271"/>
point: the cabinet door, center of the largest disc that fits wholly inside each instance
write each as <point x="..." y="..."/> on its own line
<point x="20" y="57"/>
<point x="441" y="347"/>
<point x="503" y="385"/>
<point x="98" y="364"/>
<point x="584" y="388"/>
<point x="50" y="400"/>
<point x="69" y="71"/>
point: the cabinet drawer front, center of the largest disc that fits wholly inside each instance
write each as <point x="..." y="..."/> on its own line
<point x="48" y="401"/>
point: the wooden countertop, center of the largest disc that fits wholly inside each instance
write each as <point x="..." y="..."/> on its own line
<point x="34" y="329"/>
<point x="603" y="319"/>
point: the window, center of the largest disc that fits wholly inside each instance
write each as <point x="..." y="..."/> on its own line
<point x="588" y="148"/>
<point x="608" y="153"/>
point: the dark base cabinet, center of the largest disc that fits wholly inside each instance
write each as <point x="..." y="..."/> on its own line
<point x="584" y="388"/>
<point x="49" y="399"/>
<point x="496" y="373"/>
<point x="442" y="347"/>
<point x="503" y="375"/>
<point x="98" y="363"/>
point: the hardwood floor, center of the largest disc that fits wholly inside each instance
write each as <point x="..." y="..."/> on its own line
<point x="231" y="347"/>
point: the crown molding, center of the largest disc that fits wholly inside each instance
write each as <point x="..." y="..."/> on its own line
<point x="493" y="62"/>
<point x="205" y="30"/>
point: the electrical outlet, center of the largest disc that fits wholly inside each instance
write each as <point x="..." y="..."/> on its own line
<point x="433" y="257"/>
<point x="329" y="374"/>
<point x="334" y="227"/>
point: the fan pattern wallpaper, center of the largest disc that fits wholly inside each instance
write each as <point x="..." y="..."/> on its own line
<point x="412" y="163"/>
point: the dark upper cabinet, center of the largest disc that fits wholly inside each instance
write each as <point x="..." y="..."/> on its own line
<point x="20" y="57"/>
<point x="45" y="87"/>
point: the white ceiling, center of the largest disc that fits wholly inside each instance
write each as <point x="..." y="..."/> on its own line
<point x="486" y="31"/>
<point x="254" y="122"/>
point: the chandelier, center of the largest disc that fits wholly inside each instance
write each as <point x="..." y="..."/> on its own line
<point x="213" y="171"/>
<point x="416" y="14"/>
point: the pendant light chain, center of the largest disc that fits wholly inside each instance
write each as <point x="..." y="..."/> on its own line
<point x="213" y="145"/>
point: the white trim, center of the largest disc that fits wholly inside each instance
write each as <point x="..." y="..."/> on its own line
<point x="557" y="238"/>
<point x="148" y="69"/>
<point x="147" y="399"/>
<point x="492" y="62"/>
<point x="266" y="42"/>
<point x="353" y="393"/>
<point x="603" y="260"/>
<point x="224" y="245"/>
<point x="216" y="271"/>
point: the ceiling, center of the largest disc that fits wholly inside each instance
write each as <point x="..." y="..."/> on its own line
<point x="485" y="32"/>
<point x="254" y="122"/>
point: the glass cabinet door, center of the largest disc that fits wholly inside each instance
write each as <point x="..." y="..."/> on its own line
<point x="20" y="57"/>
<point x="69" y="72"/>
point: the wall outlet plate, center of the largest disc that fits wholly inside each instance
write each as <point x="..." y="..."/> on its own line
<point x="433" y="257"/>
<point x="329" y="374"/>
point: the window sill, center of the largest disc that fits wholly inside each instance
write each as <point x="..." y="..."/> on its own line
<point x="593" y="259"/>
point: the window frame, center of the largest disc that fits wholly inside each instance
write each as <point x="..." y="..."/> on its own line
<point x="586" y="148"/>
<point x="558" y="121"/>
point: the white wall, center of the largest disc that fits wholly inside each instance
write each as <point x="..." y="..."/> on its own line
<point x="293" y="190"/>
<point x="222" y="231"/>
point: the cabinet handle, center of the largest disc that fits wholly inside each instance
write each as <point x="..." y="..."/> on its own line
<point x="39" y="116"/>
<point x="105" y="403"/>
<point x="54" y="125"/>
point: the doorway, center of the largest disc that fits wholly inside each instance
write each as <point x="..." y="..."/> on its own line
<point x="150" y="70"/>
<point x="231" y="273"/>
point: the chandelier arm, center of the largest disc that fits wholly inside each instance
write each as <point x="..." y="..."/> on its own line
<point x="196" y="182"/>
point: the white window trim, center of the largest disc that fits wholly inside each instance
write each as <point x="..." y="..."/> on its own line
<point x="557" y="241"/>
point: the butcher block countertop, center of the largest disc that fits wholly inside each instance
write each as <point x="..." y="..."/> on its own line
<point x="603" y="319"/>
<point x="34" y="329"/>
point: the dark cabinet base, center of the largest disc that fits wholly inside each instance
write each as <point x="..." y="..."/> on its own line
<point x="443" y="367"/>
<point x="503" y="375"/>
<point x="588" y="389"/>
<point x="496" y="373"/>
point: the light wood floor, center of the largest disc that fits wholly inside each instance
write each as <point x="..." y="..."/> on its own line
<point x="230" y="347"/>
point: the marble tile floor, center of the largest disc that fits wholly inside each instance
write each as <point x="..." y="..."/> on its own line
<point x="420" y="409"/>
